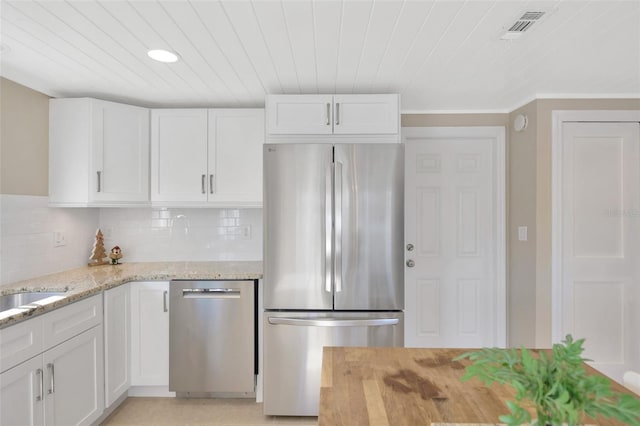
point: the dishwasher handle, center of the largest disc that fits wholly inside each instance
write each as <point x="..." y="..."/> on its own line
<point x="333" y="322"/>
<point x="210" y="293"/>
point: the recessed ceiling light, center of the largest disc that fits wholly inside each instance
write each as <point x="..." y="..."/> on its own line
<point x="162" y="55"/>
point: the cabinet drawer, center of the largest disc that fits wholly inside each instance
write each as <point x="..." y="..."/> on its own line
<point x="64" y="323"/>
<point x="20" y="342"/>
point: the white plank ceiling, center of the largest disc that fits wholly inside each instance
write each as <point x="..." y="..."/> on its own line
<point x="439" y="55"/>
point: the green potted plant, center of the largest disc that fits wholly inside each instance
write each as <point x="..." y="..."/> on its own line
<point x="556" y="384"/>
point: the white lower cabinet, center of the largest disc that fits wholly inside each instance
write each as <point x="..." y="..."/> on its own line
<point x="62" y="386"/>
<point x="117" y="336"/>
<point x="21" y="396"/>
<point x="74" y="391"/>
<point x="53" y="371"/>
<point x="150" y="333"/>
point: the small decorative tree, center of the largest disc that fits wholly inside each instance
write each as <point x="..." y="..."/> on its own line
<point x="98" y="254"/>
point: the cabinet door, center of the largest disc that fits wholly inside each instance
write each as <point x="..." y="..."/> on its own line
<point x="300" y="114"/>
<point x="21" y="394"/>
<point x="69" y="161"/>
<point x="120" y="152"/>
<point x="235" y="156"/>
<point x="116" y="342"/>
<point x="179" y="155"/>
<point x="74" y="381"/>
<point x="149" y="334"/>
<point x="365" y="114"/>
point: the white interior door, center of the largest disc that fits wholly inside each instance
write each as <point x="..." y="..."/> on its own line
<point x="600" y="249"/>
<point x="454" y="219"/>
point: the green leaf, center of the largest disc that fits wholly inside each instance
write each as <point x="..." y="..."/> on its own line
<point x="556" y="382"/>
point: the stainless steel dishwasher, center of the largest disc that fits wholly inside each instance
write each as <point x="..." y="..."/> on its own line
<point x="212" y="338"/>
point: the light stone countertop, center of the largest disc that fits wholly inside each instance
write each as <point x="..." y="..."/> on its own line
<point x="87" y="281"/>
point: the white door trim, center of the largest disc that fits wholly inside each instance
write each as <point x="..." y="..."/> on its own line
<point x="559" y="117"/>
<point x="496" y="133"/>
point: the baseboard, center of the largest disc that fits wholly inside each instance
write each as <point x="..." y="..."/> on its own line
<point x="159" y="391"/>
<point x="107" y="411"/>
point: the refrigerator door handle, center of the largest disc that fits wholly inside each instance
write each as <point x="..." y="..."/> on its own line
<point x="337" y="258"/>
<point x="328" y="205"/>
<point x="333" y="322"/>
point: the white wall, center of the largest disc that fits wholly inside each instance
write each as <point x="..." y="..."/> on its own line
<point x="27" y="226"/>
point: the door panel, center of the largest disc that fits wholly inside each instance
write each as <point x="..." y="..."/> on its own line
<point x="365" y="114"/>
<point x="236" y="137"/>
<point x="22" y="394"/>
<point x="120" y="152"/>
<point x="600" y="225"/>
<point x="297" y="226"/>
<point x="74" y="381"/>
<point x="369" y="222"/>
<point x="452" y="229"/>
<point x="293" y="353"/>
<point x="179" y="155"/>
<point x="300" y="114"/>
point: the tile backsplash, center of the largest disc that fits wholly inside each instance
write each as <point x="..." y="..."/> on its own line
<point x="28" y="248"/>
<point x="183" y="234"/>
<point x="27" y="227"/>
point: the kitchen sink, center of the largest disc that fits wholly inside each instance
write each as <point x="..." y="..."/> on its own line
<point x="9" y="301"/>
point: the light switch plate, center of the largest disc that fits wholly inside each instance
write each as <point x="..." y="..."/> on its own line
<point x="58" y="239"/>
<point x="522" y="233"/>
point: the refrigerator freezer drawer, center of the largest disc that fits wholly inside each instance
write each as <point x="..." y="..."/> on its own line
<point x="293" y="343"/>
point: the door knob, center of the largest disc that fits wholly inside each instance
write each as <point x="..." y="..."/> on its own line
<point x="409" y="247"/>
<point x="410" y="263"/>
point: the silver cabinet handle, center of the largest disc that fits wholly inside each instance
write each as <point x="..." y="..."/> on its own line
<point x="333" y="322"/>
<point x="40" y="374"/>
<point x="328" y="203"/>
<point x="99" y="180"/>
<point x="337" y="114"/>
<point x="411" y="263"/>
<point x="164" y="301"/>
<point x="328" y="114"/>
<point x="337" y="257"/>
<point x="52" y="380"/>
<point x="211" y="182"/>
<point x="203" y="183"/>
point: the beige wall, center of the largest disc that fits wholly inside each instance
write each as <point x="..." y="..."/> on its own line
<point x="453" y="120"/>
<point x="521" y="202"/>
<point x="24" y="140"/>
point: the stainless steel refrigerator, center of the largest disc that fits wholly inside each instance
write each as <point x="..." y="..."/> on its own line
<point x="333" y="261"/>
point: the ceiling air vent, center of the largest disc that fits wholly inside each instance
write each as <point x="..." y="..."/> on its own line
<point x="521" y="25"/>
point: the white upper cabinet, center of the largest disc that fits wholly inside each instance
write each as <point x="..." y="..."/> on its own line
<point x="333" y="115"/>
<point x="207" y="157"/>
<point x="178" y="155"/>
<point x="236" y="137"/>
<point x="366" y="114"/>
<point x="300" y="114"/>
<point x="98" y="153"/>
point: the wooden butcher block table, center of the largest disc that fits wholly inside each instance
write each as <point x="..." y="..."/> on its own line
<point x="408" y="386"/>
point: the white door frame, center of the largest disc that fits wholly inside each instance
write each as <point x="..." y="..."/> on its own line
<point x="498" y="134"/>
<point x="559" y="117"/>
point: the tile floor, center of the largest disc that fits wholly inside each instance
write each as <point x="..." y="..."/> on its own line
<point x="192" y="411"/>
